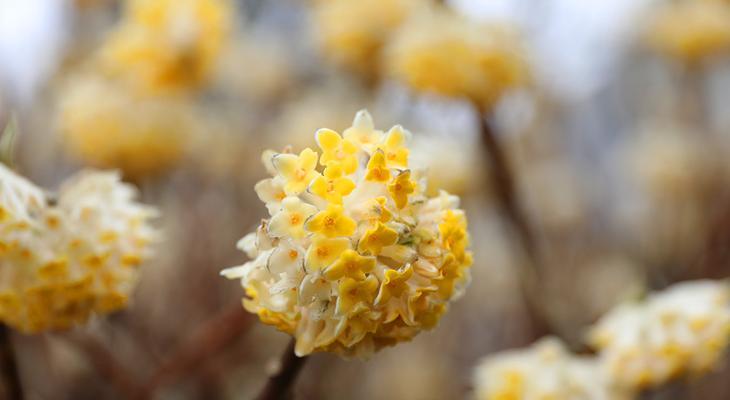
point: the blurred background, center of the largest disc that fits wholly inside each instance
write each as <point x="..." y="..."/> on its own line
<point x="618" y="139"/>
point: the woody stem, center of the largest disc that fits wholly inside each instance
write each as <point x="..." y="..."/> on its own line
<point x="280" y="385"/>
<point x="8" y="366"/>
<point x="503" y="180"/>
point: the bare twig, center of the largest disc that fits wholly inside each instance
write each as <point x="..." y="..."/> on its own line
<point x="8" y="365"/>
<point x="208" y="340"/>
<point x="504" y="184"/>
<point x="503" y="181"/>
<point x="280" y="385"/>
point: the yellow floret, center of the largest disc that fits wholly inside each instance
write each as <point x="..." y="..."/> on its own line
<point x="333" y="185"/>
<point x="331" y="222"/>
<point x="350" y="264"/>
<point x="297" y="171"/>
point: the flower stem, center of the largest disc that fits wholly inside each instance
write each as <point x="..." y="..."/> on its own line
<point x="280" y="385"/>
<point x="8" y="366"/>
<point x="503" y="181"/>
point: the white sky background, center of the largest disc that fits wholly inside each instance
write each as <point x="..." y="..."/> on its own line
<point x="32" y="33"/>
<point x="574" y="43"/>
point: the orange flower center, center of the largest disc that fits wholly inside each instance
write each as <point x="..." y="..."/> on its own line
<point x="295" y="219"/>
<point x="322" y="251"/>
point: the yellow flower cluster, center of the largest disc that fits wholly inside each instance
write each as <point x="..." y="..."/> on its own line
<point x="691" y="30"/>
<point x="352" y="32"/>
<point x="166" y="45"/>
<point x="134" y="109"/>
<point x="684" y="329"/>
<point x="442" y="52"/>
<point x="108" y="126"/>
<point x="546" y="370"/>
<point x="61" y="261"/>
<point x="355" y="256"/>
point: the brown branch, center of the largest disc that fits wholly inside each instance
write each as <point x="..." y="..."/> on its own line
<point x="714" y="262"/>
<point x="106" y="364"/>
<point x="280" y="385"/>
<point x="9" y="367"/>
<point x="504" y="184"/>
<point x="211" y="338"/>
<point x="503" y="181"/>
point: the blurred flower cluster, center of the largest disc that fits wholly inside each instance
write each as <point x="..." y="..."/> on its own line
<point x="691" y="30"/>
<point x="166" y="45"/>
<point x="683" y="330"/>
<point x="545" y="370"/>
<point x="134" y="108"/>
<point x="69" y="256"/>
<point x="442" y="52"/>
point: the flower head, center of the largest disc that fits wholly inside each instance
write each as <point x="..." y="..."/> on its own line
<point x="438" y="51"/>
<point x="381" y="261"/>
<point x="352" y="33"/>
<point x="105" y="125"/>
<point x="546" y="370"/>
<point x="684" y="329"/>
<point x="690" y="30"/>
<point x="61" y="263"/>
<point x="166" y="45"/>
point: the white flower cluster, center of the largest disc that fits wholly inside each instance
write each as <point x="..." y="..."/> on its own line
<point x="546" y="370"/>
<point x="62" y="261"/>
<point x="684" y="329"/>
